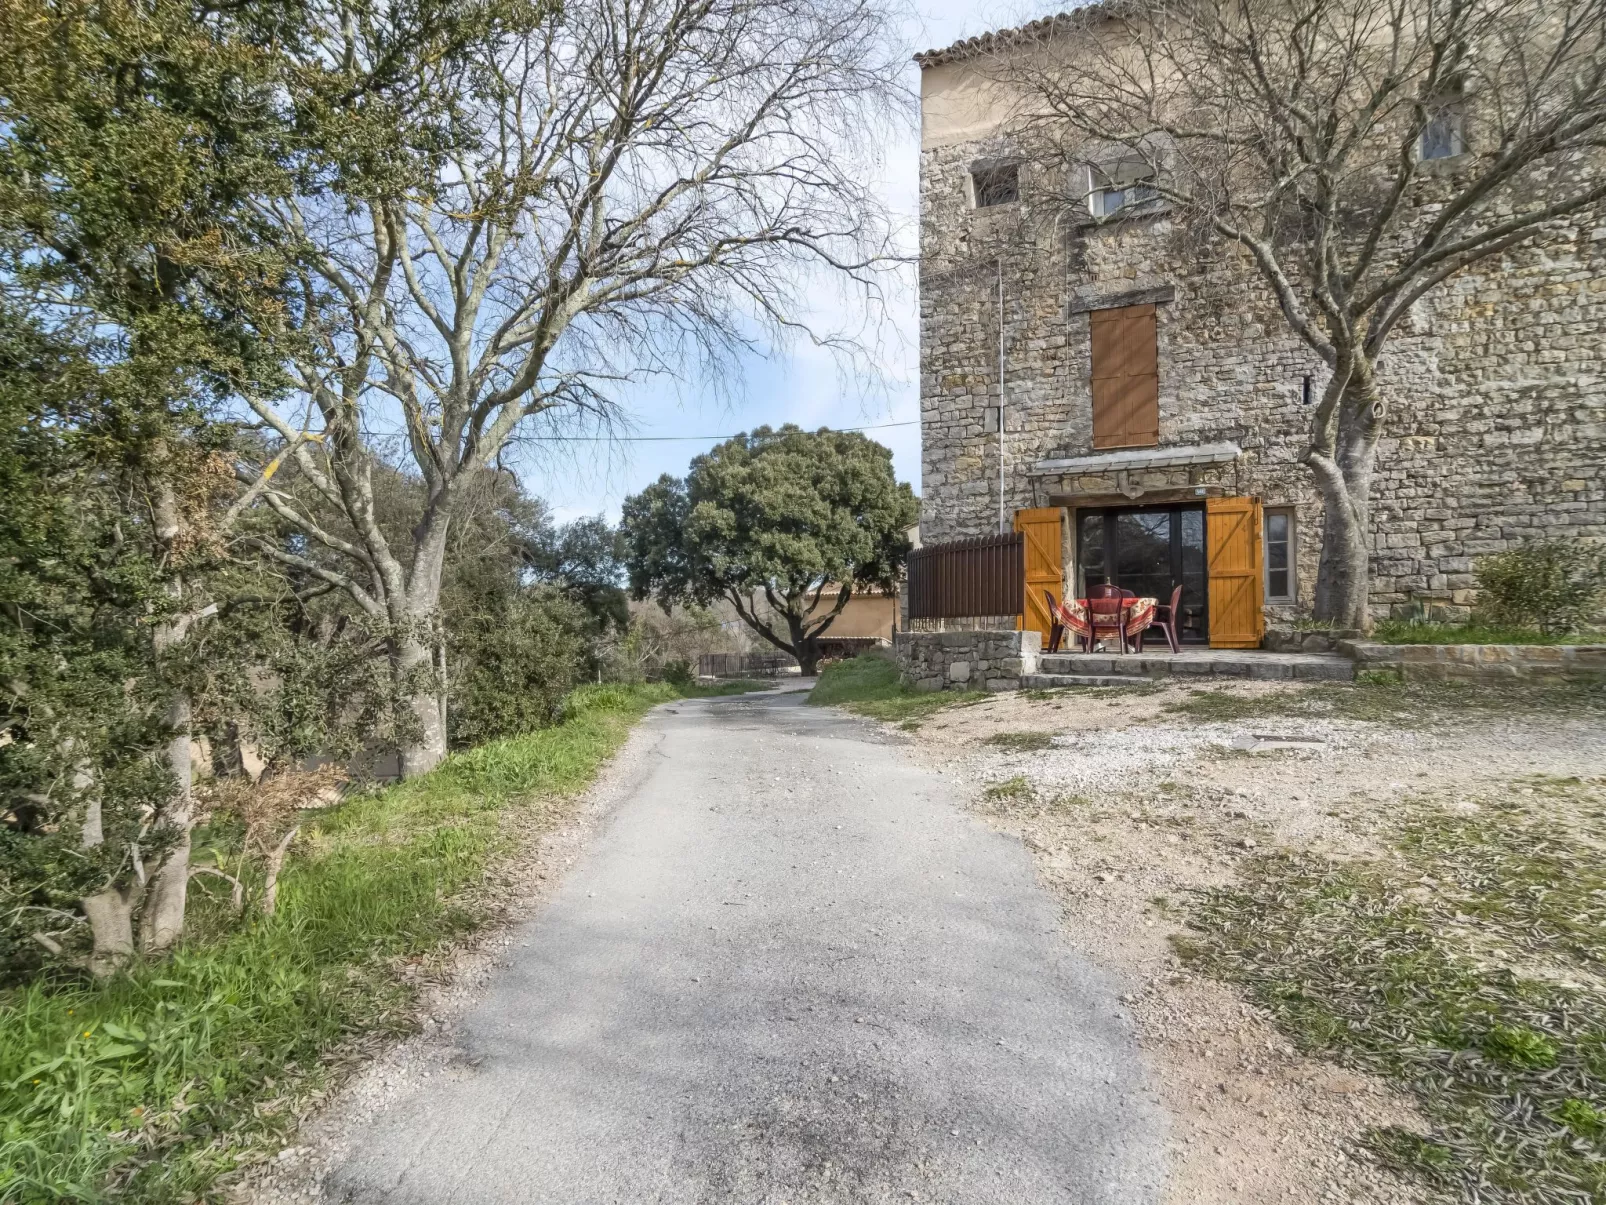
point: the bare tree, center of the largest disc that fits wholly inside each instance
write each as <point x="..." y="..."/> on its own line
<point x="1362" y="152"/>
<point x="626" y="185"/>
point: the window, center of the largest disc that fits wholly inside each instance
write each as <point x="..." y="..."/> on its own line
<point x="1444" y="136"/>
<point x="1126" y="186"/>
<point x="1125" y="378"/>
<point x="998" y="184"/>
<point x="1280" y="550"/>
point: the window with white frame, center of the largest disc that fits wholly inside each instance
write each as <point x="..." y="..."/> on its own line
<point x="1113" y="188"/>
<point x="1445" y="134"/>
<point x="1280" y="554"/>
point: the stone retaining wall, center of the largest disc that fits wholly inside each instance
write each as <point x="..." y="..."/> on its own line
<point x="1480" y="660"/>
<point x="966" y="660"/>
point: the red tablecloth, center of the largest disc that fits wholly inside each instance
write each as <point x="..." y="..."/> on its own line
<point x="1136" y="615"/>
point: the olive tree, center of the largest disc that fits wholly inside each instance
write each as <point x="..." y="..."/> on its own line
<point x="778" y="515"/>
<point x="1361" y="152"/>
<point x="619" y="189"/>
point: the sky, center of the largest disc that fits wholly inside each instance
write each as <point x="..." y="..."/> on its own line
<point x="800" y="384"/>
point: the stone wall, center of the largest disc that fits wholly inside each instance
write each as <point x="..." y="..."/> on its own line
<point x="1481" y="660"/>
<point x="966" y="660"/>
<point x="1496" y="384"/>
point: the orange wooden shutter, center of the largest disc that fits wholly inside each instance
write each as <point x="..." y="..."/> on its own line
<point x="1232" y="538"/>
<point x="1044" y="565"/>
<point x="1126" y="378"/>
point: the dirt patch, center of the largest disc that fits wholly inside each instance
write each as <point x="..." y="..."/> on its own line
<point x="1129" y="806"/>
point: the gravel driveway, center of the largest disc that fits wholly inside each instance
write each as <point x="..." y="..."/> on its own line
<point x="790" y="968"/>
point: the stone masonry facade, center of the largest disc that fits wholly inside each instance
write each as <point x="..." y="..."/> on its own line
<point x="971" y="660"/>
<point x="1496" y="386"/>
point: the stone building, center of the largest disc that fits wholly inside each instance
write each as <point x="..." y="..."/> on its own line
<point x="1496" y="432"/>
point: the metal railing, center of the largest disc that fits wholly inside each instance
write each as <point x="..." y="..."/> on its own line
<point x="980" y="578"/>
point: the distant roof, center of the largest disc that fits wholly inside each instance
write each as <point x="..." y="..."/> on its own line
<point x="967" y="48"/>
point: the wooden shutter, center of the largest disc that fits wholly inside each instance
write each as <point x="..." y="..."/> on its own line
<point x="1126" y="378"/>
<point x="1040" y="530"/>
<point x="1232" y="540"/>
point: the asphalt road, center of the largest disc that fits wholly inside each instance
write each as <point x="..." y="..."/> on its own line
<point x="790" y="968"/>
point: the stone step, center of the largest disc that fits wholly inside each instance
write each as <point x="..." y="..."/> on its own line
<point x="1225" y="663"/>
<point x="1056" y="681"/>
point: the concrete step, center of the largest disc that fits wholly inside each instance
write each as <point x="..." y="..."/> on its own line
<point x="1056" y="681"/>
<point x="1194" y="663"/>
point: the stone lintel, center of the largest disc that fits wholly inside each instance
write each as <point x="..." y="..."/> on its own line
<point x="1141" y="458"/>
<point x="1085" y="303"/>
<point x="1154" y="497"/>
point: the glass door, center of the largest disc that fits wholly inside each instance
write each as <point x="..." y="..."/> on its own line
<point x="1147" y="550"/>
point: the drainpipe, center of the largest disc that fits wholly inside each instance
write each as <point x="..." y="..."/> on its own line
<point x="1001" y="526"/>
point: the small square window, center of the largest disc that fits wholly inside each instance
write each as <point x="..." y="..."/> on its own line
<point x="1111" y="190"/>
<point x="1444" y="136"/>
<point x="1280" y="556"/>
<point x="998" y="185"/>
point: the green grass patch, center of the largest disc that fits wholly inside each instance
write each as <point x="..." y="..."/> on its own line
<point x="1392" y="699"/>
<point x="1021" y="742"/>
<point x="871" y="686"/>
<point x="1469" y="967"/>
<point x="152" y="1085"/>
<point x="1017" y="788"/>
<point x="1422" y="631"/>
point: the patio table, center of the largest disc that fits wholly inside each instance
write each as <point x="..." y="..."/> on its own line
<point x="1136" y="615"/>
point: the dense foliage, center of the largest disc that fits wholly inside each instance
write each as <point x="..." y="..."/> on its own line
<point x="776" y="516"/>
<point x="1552" y="586"/>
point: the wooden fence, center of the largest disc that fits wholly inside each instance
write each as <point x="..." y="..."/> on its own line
<point x="984" y="577"/>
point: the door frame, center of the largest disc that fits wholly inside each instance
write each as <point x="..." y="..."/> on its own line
<point x="1175" y="569"/>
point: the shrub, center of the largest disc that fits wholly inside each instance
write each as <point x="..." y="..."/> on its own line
<point x="678" y="672"/>
<point x="1550" y="586"/>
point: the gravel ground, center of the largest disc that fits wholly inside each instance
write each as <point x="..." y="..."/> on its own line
<point x="1134" y="806"/>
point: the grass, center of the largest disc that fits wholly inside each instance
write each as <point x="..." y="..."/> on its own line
<point x="1016" y="788"/>
<point x="870" y="686"/>
<point x="1021" y="742"/>
<point x="152" y="1085"/>
<point x="1422" y="631"/>
<point x="1468" y="965"/>
<point x="1388" y="698"/>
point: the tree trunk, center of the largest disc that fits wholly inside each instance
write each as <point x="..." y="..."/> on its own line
<point x="415" y="662"/>
<point x="808" y="658"/>
<point x="1344" y="577"/>
<point x="163" y="922"/>
<point x="111" y="910"/>
<point x="111" y="929"/>
<point x="415" y="657"/>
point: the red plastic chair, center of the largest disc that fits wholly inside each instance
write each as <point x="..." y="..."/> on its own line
<point x="1166" y="617"/>
<point x="1107" y="614"/>
<point x="1056" y="630"/>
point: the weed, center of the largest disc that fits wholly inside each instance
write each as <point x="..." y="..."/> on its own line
<point x="150" y="1086"/>
<point x="871" y="686"/>
<point x="1016" y="788"/>
<point x="1425" y="631"/>
<point x="1386" y="697"/>
<point x="1021" y="742"/>
<point x="1467" y="967"/>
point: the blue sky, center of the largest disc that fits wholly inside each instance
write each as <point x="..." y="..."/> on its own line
<point x="801" y="385"/>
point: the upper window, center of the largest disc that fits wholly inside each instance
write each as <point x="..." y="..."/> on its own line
<point x="1280" y="550"/>
<point x="1113" y="189"/>
<point x="998" y="184"/>
<point x="1126" y="378"/>
<point x="1445" y="133"/>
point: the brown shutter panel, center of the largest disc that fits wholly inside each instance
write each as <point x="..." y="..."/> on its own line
<point x="1126" y="378"/>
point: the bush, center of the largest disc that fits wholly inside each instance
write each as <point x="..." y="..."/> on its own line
<point x="513" y="662"/>
<point x="1551" y="586"/>
<point x="678" y="672"/>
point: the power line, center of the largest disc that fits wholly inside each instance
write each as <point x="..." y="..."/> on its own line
<point x="636" y="439"/>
